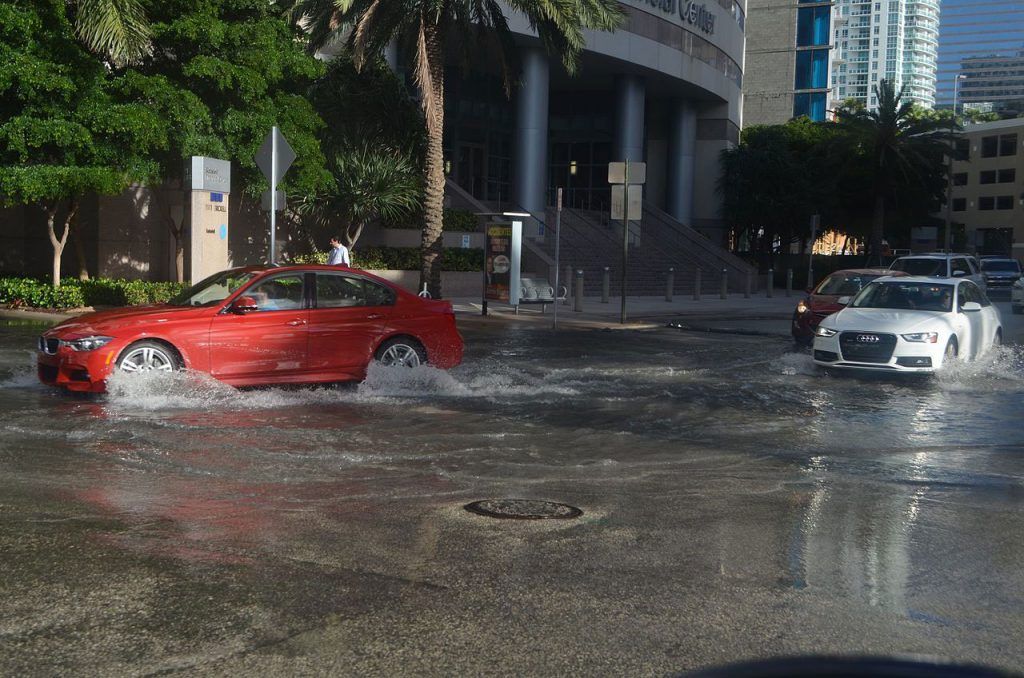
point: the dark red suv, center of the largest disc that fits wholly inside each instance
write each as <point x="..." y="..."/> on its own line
<point x="823" y="300"/>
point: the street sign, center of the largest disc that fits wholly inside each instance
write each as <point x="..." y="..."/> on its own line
<point x="465" y="241"/>
<point x="635" y="201"/>
<point x="274" y="169"/>
<point x="637" y="173"/>
<point x="265" y="199"/>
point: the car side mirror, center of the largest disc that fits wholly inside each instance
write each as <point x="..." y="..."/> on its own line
<point x="243" y="305"/>
<point x="959" y="274"/>
<point x="843" y="301"/>
<point x="971" y="307"/>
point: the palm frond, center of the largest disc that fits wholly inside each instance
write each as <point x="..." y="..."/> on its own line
<point x="116" y="29"/>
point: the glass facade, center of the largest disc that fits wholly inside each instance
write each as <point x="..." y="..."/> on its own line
<point x="813" y="36"/>
<point x="812" y="69"/>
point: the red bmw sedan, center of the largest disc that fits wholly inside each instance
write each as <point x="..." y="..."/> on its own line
<point x="258" y="325"/>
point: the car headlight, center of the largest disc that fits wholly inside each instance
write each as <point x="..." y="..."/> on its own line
<point x="922" y="337"/>
<point x="802" y="308"/>
<point x="825" y="332"/>
<point x="88" y="343"/>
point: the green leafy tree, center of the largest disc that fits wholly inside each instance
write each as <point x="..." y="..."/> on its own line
<point x="62" y="133"/>
<point x="897" y="153"/>
<point x="430" y="27"/>
<point x="221" y="74"/>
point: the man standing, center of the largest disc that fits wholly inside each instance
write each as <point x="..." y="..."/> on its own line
<point x="339" y="254"/>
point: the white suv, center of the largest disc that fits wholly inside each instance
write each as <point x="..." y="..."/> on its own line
<point x="941" y="266"/>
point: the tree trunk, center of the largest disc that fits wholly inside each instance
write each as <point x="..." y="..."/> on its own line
<point x="58" y="243"/>
<point x="431" y="80"/>
<point x="76" y="231"/>
<point x="176" y="231"/>
<point x="877" y="229"/>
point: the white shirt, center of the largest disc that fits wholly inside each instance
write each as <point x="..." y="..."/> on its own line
<point x="339" y="256"/>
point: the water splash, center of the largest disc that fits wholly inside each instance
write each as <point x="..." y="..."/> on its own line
<point x="793" y="364"/>
<point x="1000" y="369"/>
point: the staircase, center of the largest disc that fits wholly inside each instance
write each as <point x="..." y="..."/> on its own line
<point x="591" y="241"/>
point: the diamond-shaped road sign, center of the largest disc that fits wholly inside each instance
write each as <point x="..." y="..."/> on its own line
<point x="274" y="171"/>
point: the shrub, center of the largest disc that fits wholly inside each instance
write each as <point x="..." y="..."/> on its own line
<point x="455" y="221"/>
<point x="403" y="258"/>
<point x="73" y="293"/>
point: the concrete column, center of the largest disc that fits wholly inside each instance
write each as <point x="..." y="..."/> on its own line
<point x="531" y="152"/>
<point x="629" y="118"/>
<point x="681" y="154"/>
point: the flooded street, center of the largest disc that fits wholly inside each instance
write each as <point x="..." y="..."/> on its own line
<point x="736" y="504"/>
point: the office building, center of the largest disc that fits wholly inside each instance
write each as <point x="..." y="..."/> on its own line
<point x="894" y="40"/>
<point x="988" y="187"/>
<point x="788" y="65"/>
<point x="982" y="40"/>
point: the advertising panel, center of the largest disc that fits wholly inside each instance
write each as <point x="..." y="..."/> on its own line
<point x="498" y="262"/>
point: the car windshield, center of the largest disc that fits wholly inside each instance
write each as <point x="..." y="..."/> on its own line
<point x="923" y="267"/>
<point x="214" y="289"/>
<point x="844" y="284"/>
<point x="915" y="296"/>
<point x="1000" y="265"/>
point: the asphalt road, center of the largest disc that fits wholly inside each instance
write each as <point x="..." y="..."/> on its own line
<point x="736" y="505"/>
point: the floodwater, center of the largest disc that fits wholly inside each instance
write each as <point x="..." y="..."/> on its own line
<point x="737" y="504"/>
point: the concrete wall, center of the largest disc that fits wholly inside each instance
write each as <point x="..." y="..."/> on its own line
<point x="768" y="77"/>
<point x="453" y="283"/>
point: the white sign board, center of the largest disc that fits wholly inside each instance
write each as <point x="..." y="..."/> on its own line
<point x="465" y="241"/>
<point x="617" y="172"/>
<point x="635" y="201"/>
<point x="207" y="174"/>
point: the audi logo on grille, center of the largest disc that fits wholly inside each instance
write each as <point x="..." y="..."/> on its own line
<point x="868" y="338"/>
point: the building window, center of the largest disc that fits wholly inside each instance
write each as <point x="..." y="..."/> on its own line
<point x="987" y="177"/>
<point x="812" y="26"/>
<point x="960" y="179"/>
<point x="812" y="69"/>
<point x="1004" y="202"/>
<point x="1007" y="176"/>
<point x="959" y="204"/>
<point x="1008" y="144"/>
<point x="989" y="147"/>
<point x="986" y="204"/>
<point x="811" y="104"/>
<point x="963" y="149"/>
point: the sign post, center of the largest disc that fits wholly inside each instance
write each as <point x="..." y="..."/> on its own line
<point x="274" y="157"/>
<point x="558" y="234"/>
<point x="627" y="179"/>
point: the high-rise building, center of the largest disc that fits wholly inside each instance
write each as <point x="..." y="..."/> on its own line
<point x="894" y="40"/>
<point x="787" y="61"/>
<point x="983" y="41"/>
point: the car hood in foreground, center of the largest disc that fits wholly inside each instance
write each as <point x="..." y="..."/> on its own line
<point x="108" y="322"/>
<point x="886" y="320"/>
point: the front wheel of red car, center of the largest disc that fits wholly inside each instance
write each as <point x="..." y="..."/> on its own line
<point x="148" y="356"/>
<point x="401" y="352"/>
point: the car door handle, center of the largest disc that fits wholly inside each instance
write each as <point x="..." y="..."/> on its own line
<point x="374" y="316"/>
<point x="295" y="323"/>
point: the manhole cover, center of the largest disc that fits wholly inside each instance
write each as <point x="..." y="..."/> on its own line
<point x="523" y="509"/>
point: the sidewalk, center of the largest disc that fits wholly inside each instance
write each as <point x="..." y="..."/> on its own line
<point x="757" y="315"/>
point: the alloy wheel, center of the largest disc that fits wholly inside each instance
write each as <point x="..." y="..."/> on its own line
<point x="400" y="355"/>
<point x="147" y="359"/>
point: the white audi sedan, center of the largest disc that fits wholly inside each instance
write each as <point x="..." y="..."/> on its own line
<point x="910" y="324"/>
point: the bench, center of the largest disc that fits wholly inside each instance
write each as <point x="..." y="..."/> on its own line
<point x="538" y="291"/>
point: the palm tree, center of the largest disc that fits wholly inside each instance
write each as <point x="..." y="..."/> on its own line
<point x="429" y="27"/>
<point x="116" y="30"/>
<point x="903" y="149"/>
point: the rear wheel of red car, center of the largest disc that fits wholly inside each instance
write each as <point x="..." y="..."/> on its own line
<point x="148" y="356"/>
<point x="401" y="352"/>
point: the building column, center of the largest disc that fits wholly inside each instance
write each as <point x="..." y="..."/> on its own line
<point x="530" y="174"/>
<point x="682" y="152"/>
<point x="629" y="118"/>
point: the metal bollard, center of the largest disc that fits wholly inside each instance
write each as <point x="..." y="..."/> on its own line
<point x="670" y="283"/>
<point x="696" y="286"/>
<point x="567" y="277"/>
<point x="606" y="285"/>
<point x="725" y="284"/>
<point x="789" y="282"/>
<point x="746" y="291"/>
<point x="771" y="282"/>
<point x="579" y="290"/>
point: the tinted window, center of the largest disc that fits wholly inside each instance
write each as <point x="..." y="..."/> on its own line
<point x="378" y="295"/>
<point x="986" y="203"/>
<point x="283" y="293"/>
<point x="1004" y="202"/>
<point x="987" y="177"/>
<point x="989" y="147"/>
<point x="960" y="264"/>
<point x="843" y="284"/>
<point x="925" y="267"/>
<point x="906" y="296"/>
<point x="1000" y="265"/>
<point x="338" y="291"/>
<point x="1008" y="144"/>
<point x="212" y="290"/>
<point x="969" y="292"/>
<point x="960" y="179"/>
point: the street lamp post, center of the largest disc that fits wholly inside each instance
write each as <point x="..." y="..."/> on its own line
<point x="952" y="155"/>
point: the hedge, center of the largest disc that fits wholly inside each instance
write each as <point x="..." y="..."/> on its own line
<point x="403" y="259"/>
<point x="455" y="221"/>
<point x="74" y="293"/>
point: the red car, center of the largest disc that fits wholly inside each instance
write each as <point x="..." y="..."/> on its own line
<point x="258" y="325"/>
<point x="823" y="300"/>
